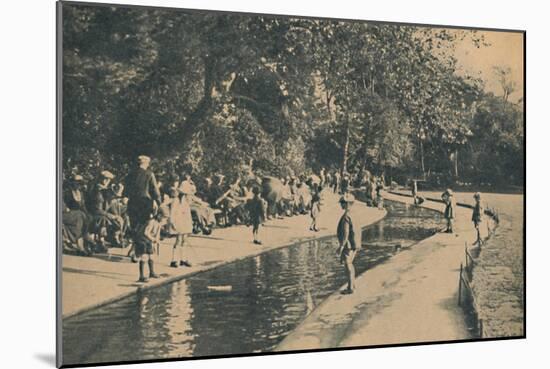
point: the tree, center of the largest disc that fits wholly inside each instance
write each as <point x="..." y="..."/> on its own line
<point x="504" y="75"/>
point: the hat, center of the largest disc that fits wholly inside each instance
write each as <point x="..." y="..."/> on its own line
<point x="107" y="174"/>
<point x="164" y="211"/>
<point x="348" y="198"/>
<point x="143" y="159"/>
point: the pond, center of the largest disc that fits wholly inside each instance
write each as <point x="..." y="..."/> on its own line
<point x="246" y="306"/>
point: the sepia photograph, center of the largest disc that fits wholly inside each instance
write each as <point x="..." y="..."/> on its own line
<point x="238" y="184"/>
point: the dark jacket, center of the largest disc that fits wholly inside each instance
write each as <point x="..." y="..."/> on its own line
<point x="142" y="183"/>
<point x="346" y="229"/>
<point x="98" y="200"/>
<point x="256" y="210"/>
<point x="141" y="189"/>
<point x="73" y="202"/>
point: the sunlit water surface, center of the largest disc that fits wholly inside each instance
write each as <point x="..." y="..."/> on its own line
<point x="263" y="299"/>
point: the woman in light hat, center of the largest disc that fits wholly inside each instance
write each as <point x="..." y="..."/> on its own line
<point x="349" y="239"/>
<point x="102" y="220"/>
<point x="73" y="195"/>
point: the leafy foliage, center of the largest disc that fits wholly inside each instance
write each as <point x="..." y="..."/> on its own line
<point x="209" y="93"/>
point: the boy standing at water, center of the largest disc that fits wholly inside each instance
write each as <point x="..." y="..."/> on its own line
<point x="256" y="213"/>
<point x="349" y="239"/>
<point x="147" y="241"/>
<point x="477" y="216"/>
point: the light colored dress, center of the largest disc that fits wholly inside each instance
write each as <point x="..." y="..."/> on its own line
<point x="179" y="220"/>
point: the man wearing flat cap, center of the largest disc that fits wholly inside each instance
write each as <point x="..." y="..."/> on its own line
<point x="142" y="192"/>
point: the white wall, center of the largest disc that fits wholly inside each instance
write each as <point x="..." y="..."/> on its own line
<point x="27" y="326"/>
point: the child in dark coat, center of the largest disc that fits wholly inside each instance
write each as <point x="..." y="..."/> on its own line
<point x="450" y="209"/>
<point x="256" y="212"/>
<point x="477" y="216"/>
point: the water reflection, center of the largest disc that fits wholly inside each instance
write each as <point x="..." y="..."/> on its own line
<point x="266" y="297"/>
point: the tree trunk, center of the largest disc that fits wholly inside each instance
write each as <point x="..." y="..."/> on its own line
<point x="456" y="163"/>
<point x="346" y="148"/>
<point x="422" y="167"/>
<point x="328" y="98"/>
<point x="197" y="116"/>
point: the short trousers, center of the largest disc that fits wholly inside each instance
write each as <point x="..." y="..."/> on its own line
<point x="347" y="255"/>
<point x="255" y="224"/>
<point x="143" y="247"/>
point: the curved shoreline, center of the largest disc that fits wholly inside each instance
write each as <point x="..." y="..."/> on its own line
<point x="396" y="302"/>
<point x="89" y="283"/>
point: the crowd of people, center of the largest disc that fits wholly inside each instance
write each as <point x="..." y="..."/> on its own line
<point x="138" y="211"/>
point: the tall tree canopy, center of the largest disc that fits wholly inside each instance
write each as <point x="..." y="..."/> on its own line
<point x="213" y="92"/>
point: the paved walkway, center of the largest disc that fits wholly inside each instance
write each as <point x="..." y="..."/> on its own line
<point x="89" y="282"/>
<point x="410" y="298"/>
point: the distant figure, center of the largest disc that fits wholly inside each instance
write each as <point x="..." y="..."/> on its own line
<point x="315" y="208"/>
<point x="344" y="185"/>
<point x="369" y="190"/>
<point x="147" y="241"/>
<point x="477" y="216"/>
<point x="349" y="239"/>
<point x="328" y="179"/>
<point x="450" y="209"/>
<point x="414" y="191"/>
<point x="256" y="213"/>
<point x="322" y="177"/>
<point x="379" y="198"/>
<point x="336" y="182"/>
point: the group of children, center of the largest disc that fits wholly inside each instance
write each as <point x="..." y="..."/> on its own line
<point x="174" y="217"/>
<point x="450" y="212"/>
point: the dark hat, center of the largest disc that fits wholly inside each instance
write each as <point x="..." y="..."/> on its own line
<point x="347" y="198"/>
